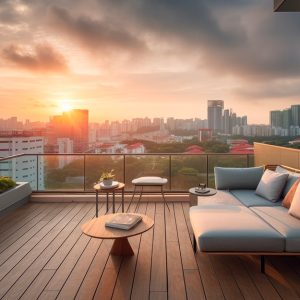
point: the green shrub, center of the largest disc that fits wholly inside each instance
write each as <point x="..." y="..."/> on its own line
<point x="188" y="171"/>
<point x="6" y="183"/>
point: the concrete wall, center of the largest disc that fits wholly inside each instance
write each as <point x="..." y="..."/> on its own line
<point x="274" y="155"/>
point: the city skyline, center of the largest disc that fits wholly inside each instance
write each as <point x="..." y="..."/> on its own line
<point x="116" y="62"/>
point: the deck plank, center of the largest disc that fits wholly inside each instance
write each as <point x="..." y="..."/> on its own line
<point x="126" y="275"/>
<point x="25" y="231"/>
<point x="176" y="284"/>
<point x="58" y="261"/>
<point x="77" y="275"/>
<point x="226" y="279"/>
<point x="36" y="267"/>
<point x="31" y="218"/>
<point x="186" y="250"/>
<point x="110" y="274"/>
<point x="261" y="280"/>
<point x="141" y="284"/>
<point x="37" y="285"/>
<point x="27" y="261"/>
<point x="280" y="279"/>
<point x="32" y="244"/>
<point x="209" y="278"/>
<point x="22" y="242"/>
<point x="244" y="281"/>
<point x="93" y="276"/>
<point x="159" y="281"/>
<point x="16" y="216"/>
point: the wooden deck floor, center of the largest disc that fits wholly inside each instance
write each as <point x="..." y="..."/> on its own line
<point x="44" y="255"/>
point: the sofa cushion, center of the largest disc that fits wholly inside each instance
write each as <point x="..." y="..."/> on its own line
<point x="232" y="228"/>
<point x="285" y="224"/>
<point x="237" y="178"/>
<point x="150" y="180"/>
<point x="290" y="195"/>
<point x="250" y="198"/>
<point x="221" y="197"/>
<point x="295" y="205"/>
<point x="271" y="185"/>
<point x="293" y="177"/>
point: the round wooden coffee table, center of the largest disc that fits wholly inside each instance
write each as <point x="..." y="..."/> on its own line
<point x="96" y="228"/>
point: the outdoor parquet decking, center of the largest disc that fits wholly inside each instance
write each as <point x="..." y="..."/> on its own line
<point x="44" y="255"/>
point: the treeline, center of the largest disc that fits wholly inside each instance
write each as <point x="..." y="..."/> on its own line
<point x="209" y="147"/>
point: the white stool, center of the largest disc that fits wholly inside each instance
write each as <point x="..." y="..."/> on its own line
<point x="149" y="181"/>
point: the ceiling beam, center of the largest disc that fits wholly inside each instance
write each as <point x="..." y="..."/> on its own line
<point x="287" y="5"/>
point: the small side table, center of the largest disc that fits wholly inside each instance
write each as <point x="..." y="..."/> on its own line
<point x="194" y="195"/>
<point x="98" y="189"/>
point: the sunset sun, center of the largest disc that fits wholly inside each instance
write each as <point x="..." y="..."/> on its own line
<point x="65" y="105"/>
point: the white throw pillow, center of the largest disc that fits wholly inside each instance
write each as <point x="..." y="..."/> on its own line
<point x="271" y="185"/>
<point x="295" y="205"/>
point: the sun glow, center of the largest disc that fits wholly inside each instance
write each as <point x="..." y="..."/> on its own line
<point x="65" y="105"/>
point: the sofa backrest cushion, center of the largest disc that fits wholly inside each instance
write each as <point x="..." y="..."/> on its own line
<point x="290" y="195"/>
<point x="295" y="205"/>
<point x="293" y="177"/>
<point x="237" y="178"/>
<point x="271" y="185"/>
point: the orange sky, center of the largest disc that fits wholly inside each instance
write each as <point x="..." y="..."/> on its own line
<point x="155" y="60"/>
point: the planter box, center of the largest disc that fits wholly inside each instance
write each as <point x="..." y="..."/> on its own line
<point x="14" y="197"/>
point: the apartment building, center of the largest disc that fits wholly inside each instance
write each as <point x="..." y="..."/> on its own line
<point x="27" y="168"/>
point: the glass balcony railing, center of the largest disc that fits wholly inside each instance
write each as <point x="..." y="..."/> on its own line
<point x="78" y="172"/>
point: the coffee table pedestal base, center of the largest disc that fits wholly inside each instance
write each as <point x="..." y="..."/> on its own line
<point x="121" y="247"/>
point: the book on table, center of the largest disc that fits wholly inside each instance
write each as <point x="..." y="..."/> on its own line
<point x="124" y="221"/>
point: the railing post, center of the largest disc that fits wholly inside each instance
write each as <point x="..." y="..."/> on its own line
<point x="124" y="169"/>
<point x="247" y="160"/>
<point x="170" y="172"/>
<point x="37" y="172"/>
<point x="84" y="180"/>
<point x="207" y="170"/>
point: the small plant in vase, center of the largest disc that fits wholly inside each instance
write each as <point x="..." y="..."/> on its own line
<point x="107" y="177"/>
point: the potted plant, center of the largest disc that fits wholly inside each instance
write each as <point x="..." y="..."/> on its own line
<point x="6" y="183"/>
<point x="107" y="177"/>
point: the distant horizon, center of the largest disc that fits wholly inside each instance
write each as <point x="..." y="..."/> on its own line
<point x="115" y="120"/>
<point x="141" y="58"/>
<point x="136" y="117"/>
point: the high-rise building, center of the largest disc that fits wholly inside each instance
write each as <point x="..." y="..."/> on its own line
<point x="226" y="122"/>
<point x="286" y="118"/>
<point x="276" y="118"/>
<point x="27" y="168"/>
<point x="171" y="123"/>
<point x="64" y="146"/>
<point x="295" y="115"/>
<point x="214" y="114"/>
<point x="71" y="124"/>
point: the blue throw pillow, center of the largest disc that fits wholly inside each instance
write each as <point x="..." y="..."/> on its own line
<point x="238" y="178"/>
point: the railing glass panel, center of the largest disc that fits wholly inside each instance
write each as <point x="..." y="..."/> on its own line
<point x="145" y="165"/>
<point x="187" y="171"/>
<point x="63" y="172"/>
<point x="78" y="172"/>
<point x="95" y="165"/>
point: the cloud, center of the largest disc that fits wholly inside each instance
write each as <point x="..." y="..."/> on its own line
<point x="270" y="90"/>
<point x="241" y="38"/>
<point x="101" y="36"/>
<point x="42" y="58"/>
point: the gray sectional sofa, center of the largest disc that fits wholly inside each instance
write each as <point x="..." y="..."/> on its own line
<point x="237" y="220"/>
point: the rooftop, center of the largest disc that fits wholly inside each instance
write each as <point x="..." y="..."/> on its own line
<point x="45" y="255"/>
